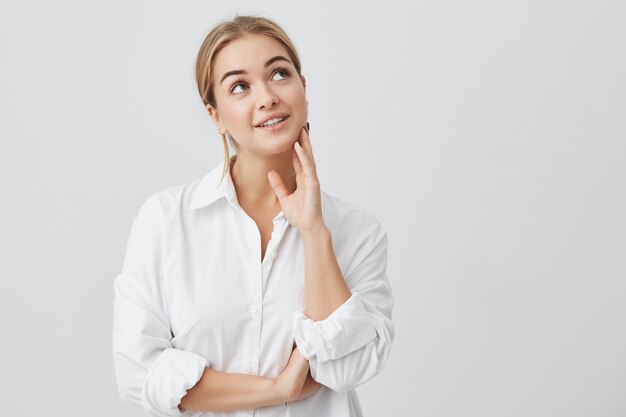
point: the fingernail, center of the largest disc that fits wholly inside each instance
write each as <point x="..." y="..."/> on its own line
<point x="307" y="127"/>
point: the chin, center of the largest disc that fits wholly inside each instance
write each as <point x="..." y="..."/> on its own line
<point x="289" y="136"/>
<point x="283" y="141"/>
<point x="282" y="147"/>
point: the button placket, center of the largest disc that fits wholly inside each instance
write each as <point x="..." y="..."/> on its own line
<point x="278" y="234"/>
<point x="264" y="268"/>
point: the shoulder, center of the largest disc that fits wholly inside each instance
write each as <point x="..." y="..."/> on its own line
<point x="170" y="202"/>
<point x="345" y="218"/>
<point x="359" y="238"/>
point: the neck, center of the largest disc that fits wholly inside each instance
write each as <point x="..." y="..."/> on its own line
<point x="249" y="175"/>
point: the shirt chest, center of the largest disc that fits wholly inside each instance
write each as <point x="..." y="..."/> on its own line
<point x="219" y="291"/>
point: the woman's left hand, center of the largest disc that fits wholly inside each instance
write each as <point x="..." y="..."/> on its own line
<point x="303" y="207"/>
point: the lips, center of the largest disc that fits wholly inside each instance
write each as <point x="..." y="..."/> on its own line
<point x="270" y="117"/>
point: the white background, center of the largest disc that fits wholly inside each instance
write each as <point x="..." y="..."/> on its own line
<point x="489" y="138"/>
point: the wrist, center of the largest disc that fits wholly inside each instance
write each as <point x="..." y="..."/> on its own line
<point x="316" y="233"/>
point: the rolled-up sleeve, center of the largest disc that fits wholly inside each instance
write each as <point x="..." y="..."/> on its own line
<point x="352" y="344"/>
<point x="149" y="372"/>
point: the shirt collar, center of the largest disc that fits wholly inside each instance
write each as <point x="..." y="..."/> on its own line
<point x="210" y="189"/>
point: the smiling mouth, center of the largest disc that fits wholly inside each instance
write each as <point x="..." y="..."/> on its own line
<point x="273" y="124"/>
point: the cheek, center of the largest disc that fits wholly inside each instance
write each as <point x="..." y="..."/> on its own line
<point x="297" y="101"/>
<point x="237" y="116"/>
<point x="299" y="96"/>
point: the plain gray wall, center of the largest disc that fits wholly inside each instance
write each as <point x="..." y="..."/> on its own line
<point x="487" y="136"/>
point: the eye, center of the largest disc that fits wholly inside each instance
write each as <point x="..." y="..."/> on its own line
<point x="283" y="71"/>
<point x="235" y="85"/>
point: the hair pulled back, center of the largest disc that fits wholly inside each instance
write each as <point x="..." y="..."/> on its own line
<point x="220" y="36"/>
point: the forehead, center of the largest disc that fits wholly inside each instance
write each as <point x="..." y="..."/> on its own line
<point x="247" y="53"/>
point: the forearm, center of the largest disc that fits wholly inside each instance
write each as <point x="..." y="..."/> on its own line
<point x="220" y="391"/>
<point x="325" y="287"/>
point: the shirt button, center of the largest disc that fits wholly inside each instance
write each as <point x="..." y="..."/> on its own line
<point x="274" y="254"/>
<point x="254" y="308"/>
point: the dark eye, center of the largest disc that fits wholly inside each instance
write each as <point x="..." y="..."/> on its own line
<point x="283" y="71"/>
<point x="237" y="83"/>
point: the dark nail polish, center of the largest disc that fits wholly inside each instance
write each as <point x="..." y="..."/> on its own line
<point x="307" y="127"/>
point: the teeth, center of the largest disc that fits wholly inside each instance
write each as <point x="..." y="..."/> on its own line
<point x="273" y="121"/>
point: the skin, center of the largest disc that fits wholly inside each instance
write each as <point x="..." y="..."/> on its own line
<point x="273" y="171"/>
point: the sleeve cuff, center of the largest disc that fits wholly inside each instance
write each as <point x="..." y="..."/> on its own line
<point x="174" y="372"/>
<point x="347" y="329"/>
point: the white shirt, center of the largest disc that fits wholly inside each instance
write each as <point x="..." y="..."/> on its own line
<point x="194" y="293"/>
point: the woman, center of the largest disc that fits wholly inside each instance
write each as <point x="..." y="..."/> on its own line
<point x="251" y="289"/>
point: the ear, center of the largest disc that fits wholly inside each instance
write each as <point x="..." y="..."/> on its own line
<point x="217" y="119"/>
<point x="304" y="84"/>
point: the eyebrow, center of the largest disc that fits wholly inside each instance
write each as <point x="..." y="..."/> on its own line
<point x="267" y="64"/>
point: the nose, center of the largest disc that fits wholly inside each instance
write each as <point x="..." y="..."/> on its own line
<point x="266" y="97"/>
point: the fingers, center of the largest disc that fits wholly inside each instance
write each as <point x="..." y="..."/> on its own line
<point x="298" y="168"/>
<point x="308" y="166"/>
<point x="278" y="184"/>
<point x="309" y="388"/>
<point x="305" y="143"/>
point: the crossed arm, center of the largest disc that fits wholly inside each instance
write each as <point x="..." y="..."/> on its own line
<point x="343" y="338"/>
<point x="221" y="391"/>
<point x="325" y="290"/>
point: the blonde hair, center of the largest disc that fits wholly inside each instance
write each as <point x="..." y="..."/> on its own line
<point x="220" y="36"/>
